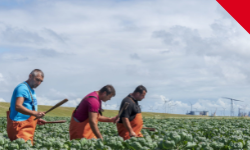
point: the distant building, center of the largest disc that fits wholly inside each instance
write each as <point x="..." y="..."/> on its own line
<point x="190" y="113"/>
<point x="203" y="113"/>
<point x="242" y="114"/>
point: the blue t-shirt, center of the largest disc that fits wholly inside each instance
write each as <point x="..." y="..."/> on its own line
<point x="22" y="91"/>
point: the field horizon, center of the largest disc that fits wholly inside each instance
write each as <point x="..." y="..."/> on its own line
<point x="67" y="111"/>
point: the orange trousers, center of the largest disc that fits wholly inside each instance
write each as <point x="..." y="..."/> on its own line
<point x="78" y="130"/>
<point x="136" y="124"/>
<point x="21" y="129"/>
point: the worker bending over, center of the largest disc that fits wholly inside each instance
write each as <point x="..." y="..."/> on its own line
<point x="23" y="109"/>
<point x="131" y="122"/>
<point x="85" y="117"/>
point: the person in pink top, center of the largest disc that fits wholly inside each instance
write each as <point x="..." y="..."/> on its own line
<point x="85" y="117"/>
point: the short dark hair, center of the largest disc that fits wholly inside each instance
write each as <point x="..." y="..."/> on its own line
<point x="140" y="89"/>
<point x="109" y="89"/>
<point x="35" y="71"/>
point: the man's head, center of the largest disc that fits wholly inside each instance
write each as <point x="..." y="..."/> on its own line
<point x="140" y="92"/>
<point x="106" y="92"/>
<point x="35" y="78"/>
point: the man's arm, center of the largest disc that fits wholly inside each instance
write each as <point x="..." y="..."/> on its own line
<point x="93" y="124"/>
<point x="104" y="119"/>
<point x="41" y="121"/>
<point x="127" y="125"/>
<point x="20" y="108"/>
<point x="107" y="119"/>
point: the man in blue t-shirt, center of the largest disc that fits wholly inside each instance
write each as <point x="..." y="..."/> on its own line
<point x="23" y="109"/>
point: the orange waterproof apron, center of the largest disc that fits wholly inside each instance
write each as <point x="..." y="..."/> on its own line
<point x="21" y="129"/>
<point x="136" y="124"/>
<point x="78" y="130"/>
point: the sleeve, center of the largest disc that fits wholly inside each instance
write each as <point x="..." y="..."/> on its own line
<point x="21" y="91"/>
<point x="127" y="113"/>
<point x="93" y="105"/>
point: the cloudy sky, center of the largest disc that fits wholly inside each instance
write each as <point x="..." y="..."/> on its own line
<point x="187" y="51"/>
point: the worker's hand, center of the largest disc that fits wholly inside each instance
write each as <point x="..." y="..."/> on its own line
<point x="39" y="114"/>
<point x="41" y="122"/>
<point x="115" y="119"/>
<point x="132" y="134"/>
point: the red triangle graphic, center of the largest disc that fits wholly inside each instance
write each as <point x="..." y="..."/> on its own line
<point x="239" y="10"/>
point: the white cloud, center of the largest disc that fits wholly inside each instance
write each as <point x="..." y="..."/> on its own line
<point x="73" y="102"/>
<point x="188" y="51"/>
<point x="221" y="106"/>
<point x="50" y="102"/>
<point x="2" y="100"/>
<point x="1" y="77"/>
<point x="110" y="106"/>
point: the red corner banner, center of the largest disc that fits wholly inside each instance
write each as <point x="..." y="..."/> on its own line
<point x="239" y="10"/>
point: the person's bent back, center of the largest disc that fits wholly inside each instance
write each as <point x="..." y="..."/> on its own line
<point x="85" y="117"/>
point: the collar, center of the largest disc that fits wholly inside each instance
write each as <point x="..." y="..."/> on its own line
<point x="28" y="85"/>
<point x="97" y="96"/>
<point x="136" y="101"/>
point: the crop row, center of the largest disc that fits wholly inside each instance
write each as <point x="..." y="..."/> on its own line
<point x="193" y="134"/>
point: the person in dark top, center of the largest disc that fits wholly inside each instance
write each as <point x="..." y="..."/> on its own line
<point x="132" y="110"/>
<point x="131" y="123"/>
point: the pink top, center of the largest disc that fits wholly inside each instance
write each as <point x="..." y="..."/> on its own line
<point x="88" y="105"/>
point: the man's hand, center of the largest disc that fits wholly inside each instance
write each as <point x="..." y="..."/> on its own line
<point x="39" y="114"/>
<point x="115" y="119"/>
<point x="132" y="134"/>
<point x="41" y="122"/>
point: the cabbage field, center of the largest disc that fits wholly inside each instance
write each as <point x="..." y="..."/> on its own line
<point x="192" y="134"/>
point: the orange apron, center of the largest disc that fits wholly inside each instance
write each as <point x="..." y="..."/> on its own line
<point x="21" y="129"/>
<point x="78" y="130"/>
<point x="136" y="124"/>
